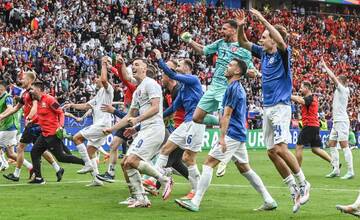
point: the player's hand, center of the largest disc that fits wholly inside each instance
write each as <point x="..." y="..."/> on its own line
<point x="186" y="37"/>
<point x="107" y="108"/>
<point x="1" y="117"/>
<point x="66" y="106"/>
<point x="222" y="145"/>
<point x="129" y="132"/>
<point x="105" y="60"/>
<point x="323" y="63"/>
<point x="252" y="73"/>
<point x="133" y="121"/>
<point x="119" y="59"/>
<point x="157" y="54"/>
<point x="107" y="131"/>
<point x="240" y="17"/>
<point x="257" y="14"/>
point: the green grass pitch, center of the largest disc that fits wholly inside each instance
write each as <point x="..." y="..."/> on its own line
<point x="229" y="197"/>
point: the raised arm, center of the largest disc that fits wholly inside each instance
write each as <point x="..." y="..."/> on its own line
<point x="242" y="39"/>
<point x="273" y="32"/>
<point x="184" y="78"/>
<point x="103" y="78"/>
<point x="330" y="73"/>
<point x="123" y="71"/>
<point x="186" y="37"/>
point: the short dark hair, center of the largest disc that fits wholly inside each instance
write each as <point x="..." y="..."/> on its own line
<point x="343" y="79"/>
<point x="188" y="63"/>
<point x="240" y="63"/>
<point x="151" y="71"/>
<point x="307" y="84"/>
<point x="40" y="85"/>
<point x="232" y="23"/>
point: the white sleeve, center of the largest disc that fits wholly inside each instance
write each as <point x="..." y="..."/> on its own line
<point x="134" y="102"/>
<point x="109" y="89"/>
<point x="342" y="88"/>
<point x="154" y="91"/>
<point x="92" y="102"/>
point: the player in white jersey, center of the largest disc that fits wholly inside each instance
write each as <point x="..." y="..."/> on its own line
<point x="101" y="120"/>
<point x="340" y="130"/>
<point x="146" y="110"/>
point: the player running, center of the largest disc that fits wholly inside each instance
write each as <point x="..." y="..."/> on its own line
<point x="310" y="134"/>
<point x="275" y="57"/>
<point x="101" y="120"/>
<point x="232" y="142"/>
<point x="51" y="121"/>
<point x="31" y="131"/>
<point x="145" y="109"/>
<point x="340" y="130"/>
<point x="189" y="95"/>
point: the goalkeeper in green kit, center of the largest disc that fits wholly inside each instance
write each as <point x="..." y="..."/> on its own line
<point x="227" y="49"/>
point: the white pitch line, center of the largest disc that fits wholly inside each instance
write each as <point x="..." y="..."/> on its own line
<point x="180" y="183"/>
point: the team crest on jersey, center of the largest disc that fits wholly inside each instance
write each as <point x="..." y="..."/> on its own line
<point x="271" y="61"/>
<point x="43" y="105"/>
<point x="234" y="49"/>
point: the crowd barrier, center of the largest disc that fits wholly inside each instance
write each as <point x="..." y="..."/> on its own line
<point x="211" y="136"/>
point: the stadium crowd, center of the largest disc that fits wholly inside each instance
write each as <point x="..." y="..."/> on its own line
<point x="63" y="42"/>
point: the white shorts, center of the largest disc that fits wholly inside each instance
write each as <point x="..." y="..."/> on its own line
<point x="276" y="125"/>
<point x="185" y="140"/>
<point x="340" y="131"/>
<point x="94" y="135"/>
<point x="235" y="150"/>
<point x="8" y="138"/>
<point x="148" y="142"/>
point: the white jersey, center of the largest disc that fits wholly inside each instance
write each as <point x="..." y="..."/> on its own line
<point x="340" y="102"/>
<point x="103" y="96"/>
<point x="142" y="96"/>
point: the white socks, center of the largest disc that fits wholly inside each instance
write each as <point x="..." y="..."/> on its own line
<point x="136" y="184"/>
<point x="84" y="154"/>
<point x="258" y="185"/>
<point x="290" y="181"/>
<point x="161" y="161"/>
<point x="17" y="172"/>
<point x="3" y="159"/>
<point x="335" y="158"/>
<point x="95" y="166"/>
<point x="194" y="176"/>
<point x="27" y="164"/>
<point x="356" y="204"/>
<point x="300" y="178"/>
<point x="111" y="169"/>
<point x="203" y="185"/>
<point x="146" y="168"/>
<point x="55" y="166"/>
<point x="349" y="159"/>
